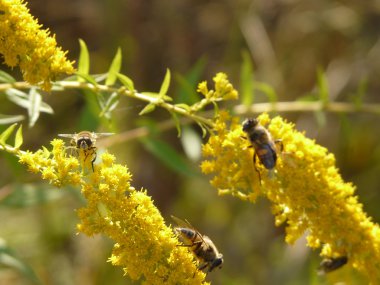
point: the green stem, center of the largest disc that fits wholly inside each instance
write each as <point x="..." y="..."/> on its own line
<point x="11" y="149"/>
<point x="121" y="90"/>
<point x="294" y="106"/>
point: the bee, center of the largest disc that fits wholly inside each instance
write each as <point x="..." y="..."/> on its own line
<point x="330" y="264"/>
<point x="201" y="245"/>
<point x="263" y="144"/>
<point x="85" y="141"/>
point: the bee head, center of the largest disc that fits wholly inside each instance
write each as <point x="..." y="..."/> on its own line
<point x="249" y="124"/>
<point x="218" y="262"/>
<point x="84" y="143"/>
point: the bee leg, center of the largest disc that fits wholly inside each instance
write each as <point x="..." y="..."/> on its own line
<point x="202" y="266"/>
<point x="279" y="142"/>
<point x="93" y="160"/>
<point x="254" y="165"/>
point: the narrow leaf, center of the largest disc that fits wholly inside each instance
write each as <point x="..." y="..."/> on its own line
<point x="361" y="91"/>
<point x="322" y="86"/>
<point x="99" y="77"/>
<point x="308" y="97"/>
<point x="267" y="90"/>
<point x="169" y="156"/>
<point x="5" y="135"/>
<point x="19" y="139"/>
<point x="34" y="106"/>
<point x="114" y="68"/>
<point x="22" y="99"/>
<point x="110" y="104"/>
<point x="177" y="123"/>
<point x="165" y="84"/>
<point x="183" y="106"/>
<point x="5" y="77"/>
<point x="188" y="83"/>
<point x="9" y="119"/>
<point x="8" y="258"/>
<point x="147" y="109"/>
<point x="126" y="81"/>
<point x="87" y="77"/>
<point x="246" y="80"/>
<point x="84" y="60"/>
<point x="28" y="194"/>
<point x="191" y="143"/>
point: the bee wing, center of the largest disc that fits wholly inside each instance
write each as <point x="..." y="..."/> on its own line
<point x="99" y="135"/>
<point x="70" y="136"/>
<point x="186" y="224"/>
<point x="182" y="223"/>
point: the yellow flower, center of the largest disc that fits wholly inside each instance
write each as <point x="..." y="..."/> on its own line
<point x="223" y="89"/>
<point x="305" y="189"/>
<point x="24" y="43"/>
<point x="54" y="165"/>
<point x="145" y="246"/>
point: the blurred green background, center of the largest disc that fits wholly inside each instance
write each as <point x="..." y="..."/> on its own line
<point x="286" y="42"/>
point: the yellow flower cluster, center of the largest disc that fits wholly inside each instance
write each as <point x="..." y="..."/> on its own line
<point x="224" y="90"/>
<point x="54" y="165"/>
<point x="145" y="247"/>
<point x="305" y="189"/>
<point x="24" y="43"/>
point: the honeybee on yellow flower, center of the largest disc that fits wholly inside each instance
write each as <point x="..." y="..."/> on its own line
<point x="85" y="141"/>
<point x="201" y="245"/>
<point x="330" y="264"/>
<point x="262" y="142"/>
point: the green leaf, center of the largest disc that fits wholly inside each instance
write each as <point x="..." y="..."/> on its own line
<point x="147" y="109"/>
<point x="27" y="195"/>
<point x="308" y="97"/>
<point x="87" y="77"/>
<point x="323" y="89"/>
<point x="167" y="98"/>
<point x="9" y="119"/>
<point x="8" y="258"/>
<point x="126" y="81"/>
<point x="110" y="104"/>
<point x="246" y="80"/>
<point x="169" y="156"/>
<point x="89" y="116"/>
<point x="5" y="77"/>
<point x="83" y="61"/>
<point x="19" y="139"/>
<point x="22" y="99"/>
<point x="204" y="130"/>
<point x="183" y="106"/>
<point x="151" y="94"/>
<point x="321" y="118"/>
<point x="35" y="100"/>
<point x="191" y="143"/>
<point x="165" y="84"/>
<point x="267" y="90"/>
<point x="114" y="68"/>
<point x="5" y="135"/>
<point x="188" y="83"/>
<point x="177" y="123"/>
<point x="361" y="91"/>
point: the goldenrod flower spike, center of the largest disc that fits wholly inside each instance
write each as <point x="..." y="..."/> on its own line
<point x="24" y="43"/>
<point x="306" y="191"/>
<point x="145" y="247"/>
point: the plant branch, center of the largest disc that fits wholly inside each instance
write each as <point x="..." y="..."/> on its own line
<point x="294" y="106"/>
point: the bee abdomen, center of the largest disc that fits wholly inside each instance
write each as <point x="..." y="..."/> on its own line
<point x="188" y="233"/>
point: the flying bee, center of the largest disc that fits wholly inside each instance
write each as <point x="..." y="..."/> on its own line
<point x="85" y="141"/>
<point x="330" y="264"/>
<point x="201" y="245"/>
<point x="263" y="144"/>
